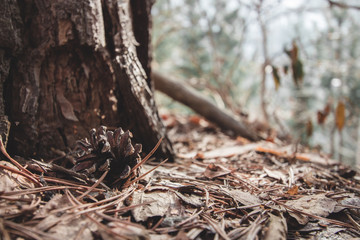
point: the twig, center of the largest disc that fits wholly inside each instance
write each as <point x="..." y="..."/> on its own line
<point x="238" y="208"/>
<point x="147" y="156"/>
<point x="140" y="163"/>
<point x="282" y="154"/>
<point x="138" y="178"/>
<point x="356" y="224"/>
<point x="342" y="5"/>
<point x="27" y="173"/>
<point x="216" y="226"/>
<point x="189" y="219"/>
<point x="34" y="180"/>
<point x="28" y="231"/>
<point x="125" y="209"/>
<point x="93" y="186"/>
<point x="314" y="216"/>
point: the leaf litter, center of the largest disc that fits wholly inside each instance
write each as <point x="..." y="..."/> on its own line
<point x="218" y="187"/>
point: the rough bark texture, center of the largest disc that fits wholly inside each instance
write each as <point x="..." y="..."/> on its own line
<point x="79" y="68"/>
<point x="141" y="12"/>
<point x="191" y="98"/>
<point x="10" y="45"/>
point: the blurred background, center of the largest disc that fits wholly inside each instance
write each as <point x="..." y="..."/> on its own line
<point x="290" y="64"/>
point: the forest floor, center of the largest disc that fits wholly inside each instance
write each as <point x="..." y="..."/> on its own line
<point x="218" y="187"/>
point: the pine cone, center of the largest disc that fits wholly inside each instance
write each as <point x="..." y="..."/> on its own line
<point x="108" y="150"/>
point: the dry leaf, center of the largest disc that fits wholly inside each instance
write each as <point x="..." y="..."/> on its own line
<point x="199" y="156"/>
<point x="277" y="174"/>
<point x="126" y="230"/>
<point x="340" y="115"/>
<point x="159" y="203"/>
<point x="192" y="200"/>
<point x="10" y="181"/>
<point x="349" y="200"/>
<point x="309" y="128"/>
<point x="244" y="198"/>
<point x="277" y="227"/>
<point x="309" y="178"/>
<point x="294" y="52"/>
<point x="51" y="219"/>
<point x="213" y="171"/>
<point x="77" y="227"/>
<point x="318" y="205"/>
<point x="276" y="77"/>
<point x="182" y="236"/>
<point x="293" y="191"/>
<point x="195" y="119"/>
<point x="227" y="151"/>
<point x="322" y="115"/>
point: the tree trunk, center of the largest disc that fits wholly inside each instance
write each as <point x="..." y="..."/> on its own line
<point x="74" y="65"/>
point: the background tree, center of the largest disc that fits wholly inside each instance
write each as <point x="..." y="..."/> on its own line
<point x="69" y="66"/>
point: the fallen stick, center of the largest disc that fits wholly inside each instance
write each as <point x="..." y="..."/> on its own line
<point x="186" y="95"/>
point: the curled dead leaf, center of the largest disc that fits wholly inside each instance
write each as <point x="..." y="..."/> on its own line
<point x="276" y="77"/>
<point x="293" y="191"/>
<point x="340" y="115"/>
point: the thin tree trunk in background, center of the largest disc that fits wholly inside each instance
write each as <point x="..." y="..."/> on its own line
<point x="78" y="69"/>
<point x="332" y="141"/>
<point x="263" y="66"/>
<point x="357" y="163"/>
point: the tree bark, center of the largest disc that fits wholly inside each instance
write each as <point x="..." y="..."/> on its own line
<point x="10" y="46"/>
<point x="188" y="96"/>
<point x="78" y="68"/>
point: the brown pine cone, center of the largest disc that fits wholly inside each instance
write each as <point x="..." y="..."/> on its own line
<point x="108" y="150"/>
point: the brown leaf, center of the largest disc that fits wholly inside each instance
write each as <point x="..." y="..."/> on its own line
<point x="192" y="200"/>
<point x="244" y="198"/>
<point x="199" y="156"/>
<point x="160" y="203"/>
<point x="124" y="230"/>
<point x="181" y="236"/>
<point x="10" y="181"/>
<point x="293" y="191"/>
<point x="318" y="205"/>
<point x="277" y="174"/>
<point x="340" y="115"/>
<point x="298" y="71"/>
<point x="351" y="202"/>
<point x="309" y="179"/>
<point x="309" y="128"/>
<point x="276" y="77"/>
<point x="296" y="64"/>
<point x="277" y="227"/>
<point x="195" y="119"/>
<point x="213" y="171"/>
<point x="70" y="228"/>
<point x="294" y="52"/>
<point x="322" y="115"/>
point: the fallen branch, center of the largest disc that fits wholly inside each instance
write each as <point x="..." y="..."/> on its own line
<point x="191" y="98"/>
